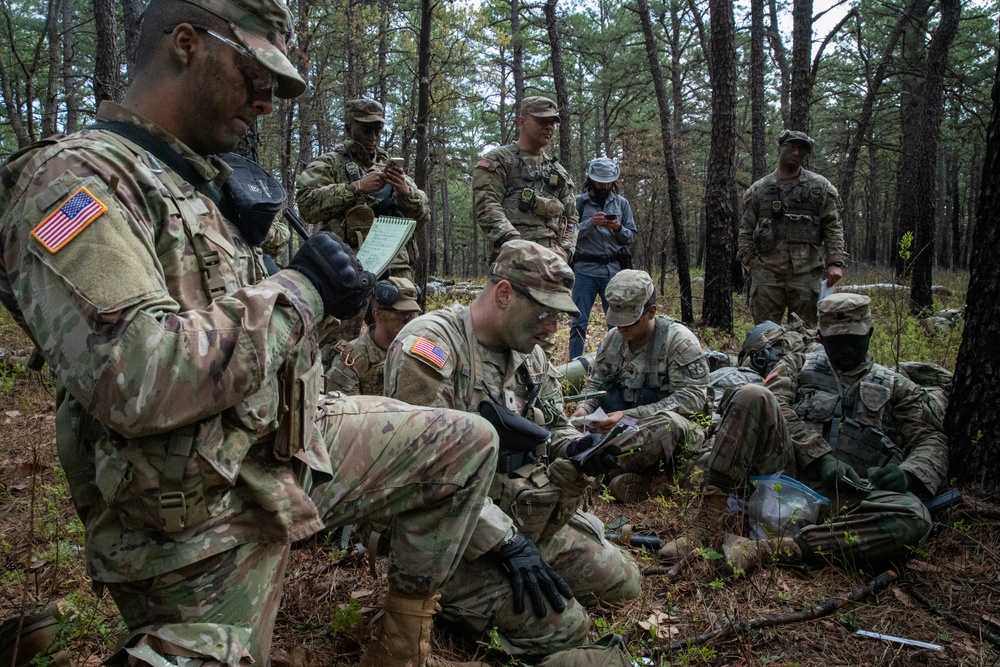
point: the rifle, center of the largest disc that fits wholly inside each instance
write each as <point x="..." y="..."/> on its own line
<point x="585" y="396"/>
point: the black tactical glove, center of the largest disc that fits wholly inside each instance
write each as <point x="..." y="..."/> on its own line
<point x="832" y="471"/>
<point x="336" y="273"/>
<point x="889" y="477"/>
<point x="599" y="464"/>
<point x="524" y="564"/>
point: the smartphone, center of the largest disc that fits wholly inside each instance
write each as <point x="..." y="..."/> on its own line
<point x="611" y="216"/>
<point x="395" y="162"/>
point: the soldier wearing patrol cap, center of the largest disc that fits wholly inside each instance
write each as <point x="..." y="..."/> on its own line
<point x="830" y="418"/>
<point x="521" y="191"/>
<point x="486" y="358"/>
<point x="653" y="370"/>
<point x="188" y="398"/>
<point x="343" y="191"/>
<point x="791" y="237"/>
<point x="357" y="366"/>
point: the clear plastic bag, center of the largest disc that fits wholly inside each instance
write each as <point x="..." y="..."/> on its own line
<point x="781" y="506"/>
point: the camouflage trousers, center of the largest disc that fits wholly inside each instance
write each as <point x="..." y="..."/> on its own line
<point x="478" y="597"/>
<point x="753" y="440"/>
<point x="656" y="443"/>
<point x="772" y="293"/>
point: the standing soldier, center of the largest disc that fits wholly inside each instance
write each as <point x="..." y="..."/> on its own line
<point x="520" y="191"/>
<point x="791" y="237"/>
<point x="175" y="354"/>
<point x="345" y="190"/>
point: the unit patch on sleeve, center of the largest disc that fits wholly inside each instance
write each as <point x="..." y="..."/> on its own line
<point x="429" y="351"/>
<point x="60" y="227"/>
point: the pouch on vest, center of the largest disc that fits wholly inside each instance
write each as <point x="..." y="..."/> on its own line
<point x="357" y="221"/>
<point x="529" y="497"/>
<point x="802" y="228"/>
<point x="861" y="447"/>
<point x="252" y="198"/>
<point x="606" y="652"/>
<point x="765" y="237"/>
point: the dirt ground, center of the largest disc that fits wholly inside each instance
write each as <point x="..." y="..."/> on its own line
<point x="330" y="596"/>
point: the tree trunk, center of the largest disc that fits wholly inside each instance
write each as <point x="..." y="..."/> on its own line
<point x="106" y="63"/>
<point x="50" y="108"/>
<point x="670" y="167"/>
<point x="446" y="229"/>
<point x="676" y="84"/>
<point x="559" y="79"/>
<point x="780" y="57"/>
<point x="383" y="52"/>
<point x="517" y="54"/>
<point x="956" y="216"/>
<point x="421" y="172"/>
<point x="720" y="212"/>
<point x="931" y="105"/>
<point x="69" y="81"/>
<point x="758" y="100"/>
<point x="132" y="20"/>
<point x="973" y="419"/>
<point x="801" y="58"/>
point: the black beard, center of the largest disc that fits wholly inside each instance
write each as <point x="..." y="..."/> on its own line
<point x="600" y="196"/>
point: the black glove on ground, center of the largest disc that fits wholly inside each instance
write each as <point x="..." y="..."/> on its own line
<point x="527" y="570"/>
<point x="336" y="273"/>
<point x="606" y="461"/>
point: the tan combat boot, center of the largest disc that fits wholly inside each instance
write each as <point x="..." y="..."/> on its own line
<point x="630" y="487"/>
<point x="706" y="524"/>
<point x="746" y="555"/>
<point x="404" y="640"/>
<point x="38" y="633"/>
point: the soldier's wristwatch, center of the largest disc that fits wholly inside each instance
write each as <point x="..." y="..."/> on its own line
<point x="837" y="263"/>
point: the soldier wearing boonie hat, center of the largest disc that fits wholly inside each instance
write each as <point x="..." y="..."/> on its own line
<point x="653" y="369"/>
<point x="521" y="191"/>
<point x="791" y="237"/>
<point x="467" y="357"/>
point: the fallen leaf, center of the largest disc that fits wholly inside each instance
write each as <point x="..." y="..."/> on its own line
<point x="921" y="566"/>
<point x="902" y="596"/>
<point x="992" y="620"/>
<point x="364" y="592"/>
<point x="12" y="413"/>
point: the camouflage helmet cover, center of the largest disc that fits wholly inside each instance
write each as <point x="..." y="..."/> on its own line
<point x="546" y="277"/>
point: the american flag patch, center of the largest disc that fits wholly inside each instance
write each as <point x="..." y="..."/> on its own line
<point x="429" y="351"/>
<point x="81" y="209"/>
<point x="770" y="376"/>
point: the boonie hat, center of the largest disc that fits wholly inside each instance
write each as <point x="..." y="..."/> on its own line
<point x="544" y="274"/>
<point x="540" y="107"/>
<point x="628" y="293"/>
<point x="407" y="299"/>
<point x="603" y="170"/>
<point x="263" y="26"/>
<point x="364" y="111"/>
<point x="795" y="135"/>
<point x="844" y="313"/>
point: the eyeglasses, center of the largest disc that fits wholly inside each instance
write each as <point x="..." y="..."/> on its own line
<point x="548" y="314"/>
<point x="261" y="79"/>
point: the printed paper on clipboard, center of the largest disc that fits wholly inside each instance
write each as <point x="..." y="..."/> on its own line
<point x="612" y="442"/>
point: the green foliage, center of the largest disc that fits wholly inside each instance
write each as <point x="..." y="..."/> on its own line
<point x="346" y="620"/>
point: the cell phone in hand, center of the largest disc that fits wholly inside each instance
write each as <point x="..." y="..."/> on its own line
<point x="611" y="216"/>
<point x="394" y="162"/>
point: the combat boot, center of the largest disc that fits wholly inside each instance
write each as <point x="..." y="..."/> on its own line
<point x="37" y="637"/>
<point x="630" y="487"/>
<point x="706" y="524"/>
<point x="404" y="639"/>
<point x="745" y="555"/>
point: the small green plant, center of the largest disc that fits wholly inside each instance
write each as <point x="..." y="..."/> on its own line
<point x="346" y="620"/>
<point x="717" y="584"/>
<point x="698" y="655"/>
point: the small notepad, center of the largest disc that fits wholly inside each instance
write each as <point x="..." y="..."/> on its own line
<point x="384" y="241"/>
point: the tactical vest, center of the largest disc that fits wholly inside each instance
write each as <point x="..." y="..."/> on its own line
<point x="855" y="422"/>
<point x="532" y="199"/>
<point x="644" y="388"/>
<point x="792" y="221"/>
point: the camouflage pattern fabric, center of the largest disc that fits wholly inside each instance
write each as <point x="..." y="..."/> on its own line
<point x="681" y="374"/>
<point x="763" y="432"/>
<point x="325" y="194"/>
<point x="357" y="367"/>
<point x="478" y="596"/>
<point x="498" y="182"/>
<point x="786" y="272"/>
<point x="168" y="341"/>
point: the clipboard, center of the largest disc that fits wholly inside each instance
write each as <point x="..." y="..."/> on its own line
<point x="383" y="242"/>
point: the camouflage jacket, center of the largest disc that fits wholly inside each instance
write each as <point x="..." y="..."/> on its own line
<point x="808" y="235"/>
<point x="167" y="342"/>
<point x="357" y="367"/>
<point x="679" y="372"/>
<point x="499" y="181"/>
<point x="451" y="377"/>
<point x="890" y="402"/>
<point x="325" y="194"/>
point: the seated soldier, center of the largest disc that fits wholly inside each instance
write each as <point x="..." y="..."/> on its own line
<point x="654" y="370"/>
<point x="356" y="368"/>
<point x="487" y="358"/>
<point x="831" y="417"/>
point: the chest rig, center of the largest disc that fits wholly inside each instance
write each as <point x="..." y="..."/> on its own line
<point x="788" y="218"/>
<point x="642" y="387"/>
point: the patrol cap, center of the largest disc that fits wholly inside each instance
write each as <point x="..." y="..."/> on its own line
<point x="263" y="26"/>
<point x="545" y="275"/>
<point x="844" y="313"/>
<point x="364" y="111"/>
<point x="628" y="293"/>
<point x="602" y="170"/>
<point x="540" y="107"/>
<point x="795" y="135"/>
<point x="406" y="296"/>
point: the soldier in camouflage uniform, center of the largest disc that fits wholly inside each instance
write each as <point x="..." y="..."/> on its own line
<point x="791" y="236"/>
<point x="357" y="366"/>
<point x="520" y="191"/>
<point x="461" y="357"/>
<point x="654" y="370"/>
<point x="831" y="417"/>
<point x="175" y="355"/>
<point x="344" y="190"/>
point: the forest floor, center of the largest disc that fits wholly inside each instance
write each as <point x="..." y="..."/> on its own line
<point x="330" y="597"/>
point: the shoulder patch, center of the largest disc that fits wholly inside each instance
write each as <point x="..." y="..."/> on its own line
<point x="71" y="218"/>
<point x="487" y="164"/>
<point x="770" y="376"/>
<point x="429" y="351"/>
